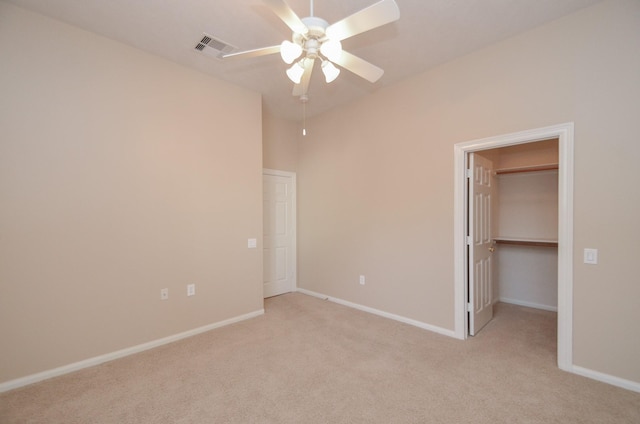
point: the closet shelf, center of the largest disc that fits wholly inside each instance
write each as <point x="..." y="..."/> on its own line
<point x="534" y="168"/>
<point x="526" y="241"/>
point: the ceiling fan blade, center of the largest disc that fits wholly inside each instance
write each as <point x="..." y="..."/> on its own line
<point x="359" y="67"/>
<point x="253" y="53"/>
<point x="376" y="15"/>
<point x="300" y="89"/>
<point x="288" y="16"/>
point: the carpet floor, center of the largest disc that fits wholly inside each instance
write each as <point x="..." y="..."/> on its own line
<point x="312" y="361"/>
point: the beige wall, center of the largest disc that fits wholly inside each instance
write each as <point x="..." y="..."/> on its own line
<point x="116" y="181"/>
<point x="375" y="182"/>
<point x="279" y="143"/>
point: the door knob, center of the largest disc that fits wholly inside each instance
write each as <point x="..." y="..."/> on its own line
<point x="492" y="249"/>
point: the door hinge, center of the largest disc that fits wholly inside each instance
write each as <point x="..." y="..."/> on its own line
<point x="467" y="173"/>
<point x="468" y="240"/>
<point x="469" y="307"/>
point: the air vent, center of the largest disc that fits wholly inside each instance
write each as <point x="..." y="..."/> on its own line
<point x="213" y="47"/>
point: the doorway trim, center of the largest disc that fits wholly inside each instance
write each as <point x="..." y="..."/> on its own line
<point x="564" y="133"/>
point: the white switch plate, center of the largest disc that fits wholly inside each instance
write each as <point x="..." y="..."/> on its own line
<point x="362" y="280"/>
<point x="252" y="243"/>
<point x="191" y="289"/>
<point x="591" y="256"/>
<point x="164" y="294"/>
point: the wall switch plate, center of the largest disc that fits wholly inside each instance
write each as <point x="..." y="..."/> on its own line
<point x="591" y="256"/>
<point x="252" y="243"/>
<point x="164" y="294"/>
<point x="191" y="289"/>
<point x="362" y="280"/>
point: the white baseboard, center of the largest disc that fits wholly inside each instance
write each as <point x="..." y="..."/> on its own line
<point x="606" y="378"/>
<point x="585" y="372"/>
<point x="384" y="314"/>
<point x="34" y="378"/>
<point x="529" y="304"/>
<point x="595" y="375"/>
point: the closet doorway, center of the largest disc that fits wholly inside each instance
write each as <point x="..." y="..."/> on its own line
<point x="463" y="156"/>
<point x="524" y="230"/>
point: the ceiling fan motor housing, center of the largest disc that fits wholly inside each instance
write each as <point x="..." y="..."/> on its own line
<point x="312" y="40"/>
<point x="317" y="26"/>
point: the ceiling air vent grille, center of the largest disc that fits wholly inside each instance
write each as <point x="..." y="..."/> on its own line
<point x="213" y="47"/>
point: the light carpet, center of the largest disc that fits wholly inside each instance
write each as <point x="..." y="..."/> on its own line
<point x="312" y="361"/>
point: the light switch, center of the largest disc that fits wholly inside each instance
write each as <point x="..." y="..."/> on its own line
<point x="591" y="256"/>
<point x="252" y="243"/>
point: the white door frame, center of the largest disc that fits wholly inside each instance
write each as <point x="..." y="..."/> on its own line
<point x="294" y="237"/>
<point x="564" y="133"/>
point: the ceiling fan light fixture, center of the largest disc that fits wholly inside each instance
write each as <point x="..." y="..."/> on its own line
<point x="330" y="71"/>
<point x="290" y="51"/>
<point x="313" y="38"/>
<point x="331" y="49"/>
<point x="295" y="72"/>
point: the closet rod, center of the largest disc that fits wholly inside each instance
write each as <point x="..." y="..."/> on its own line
<point x="527" y="242"/>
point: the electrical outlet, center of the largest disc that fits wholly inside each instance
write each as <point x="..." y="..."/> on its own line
<point x="164" y="294"/>
<point x="362" y="280"/>
<point x="191" y="289"/>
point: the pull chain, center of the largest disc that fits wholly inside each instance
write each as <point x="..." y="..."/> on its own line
<point x="304" y="119"/>
<point x="304" y="99"/>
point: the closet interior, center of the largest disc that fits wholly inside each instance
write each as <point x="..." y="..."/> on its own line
<point x="525" y="224"/>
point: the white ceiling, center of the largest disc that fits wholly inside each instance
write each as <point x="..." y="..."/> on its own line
<point x="429" y="32"/>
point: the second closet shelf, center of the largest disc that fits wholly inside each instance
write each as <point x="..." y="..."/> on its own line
<point x="522" y="241"/>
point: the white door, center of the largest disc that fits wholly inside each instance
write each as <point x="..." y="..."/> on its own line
<point x="279" y="266"/>
<point x="480" y="243"/>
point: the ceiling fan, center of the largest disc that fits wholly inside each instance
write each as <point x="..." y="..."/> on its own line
<point x="314" y="39"/>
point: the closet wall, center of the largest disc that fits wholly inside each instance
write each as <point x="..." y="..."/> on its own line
<point x="526" y="224"/>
